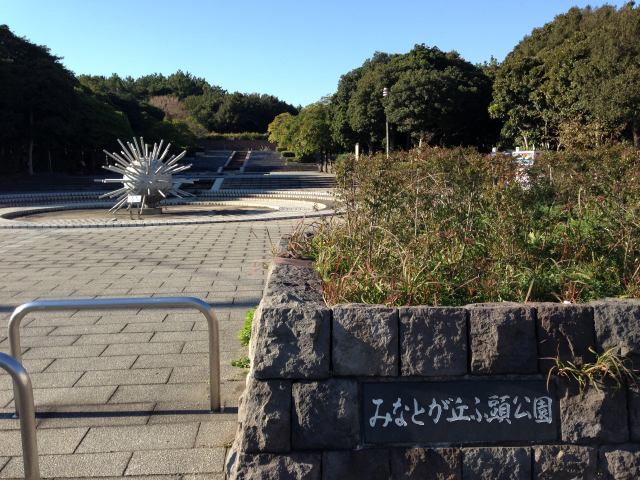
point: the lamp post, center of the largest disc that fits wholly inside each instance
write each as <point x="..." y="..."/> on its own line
<point x="385" y="94"/>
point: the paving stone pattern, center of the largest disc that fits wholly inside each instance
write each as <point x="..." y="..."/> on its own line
<point x="125" y="393"/>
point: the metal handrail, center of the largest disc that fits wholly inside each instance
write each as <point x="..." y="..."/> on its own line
<point x="23" y="395"/>
<point x="121" y="304"/>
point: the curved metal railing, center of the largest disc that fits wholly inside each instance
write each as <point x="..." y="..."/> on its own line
<point x="122" y="304"/>
<point x="23" y="396"/>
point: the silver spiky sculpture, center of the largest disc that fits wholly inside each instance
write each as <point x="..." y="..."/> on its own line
<point x="145" y="174"/>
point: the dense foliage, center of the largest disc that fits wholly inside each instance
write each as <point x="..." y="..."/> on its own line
<point x="433" y="96"/>
<point x="574" y="82"/>
<point x="452" y="226"/>
<point x="307" y="134"/>
<point x="203" y="107"/>
<point x="52" y="120"/>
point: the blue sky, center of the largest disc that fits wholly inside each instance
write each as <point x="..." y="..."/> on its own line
<point x="295" y="49"/>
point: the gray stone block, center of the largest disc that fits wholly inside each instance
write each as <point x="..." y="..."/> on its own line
<point x="140" y="437"/>
<point x="265" y="417"/>
<point x="196" y="393"/>
<point x="216" y="433"/>
<point x="365" y="340"/>
<point x="291" y="343"/>
<point x="564" y="462"/>
<point x="296" y="466"/>
<point x="619" y="462"/>
<point x="426" y="464"/>
<point x="166" y="462"/>
<point x="293" y="284"/>
<point x="50" y="441"/>
<point x="125" y="377"/>
<point x="47" y="397"/>
<point x="497" y="463"/>
<point x="92" y="363"/>
<point x="617" y="324"/>
<point x="633" y="404"/>
<point x="592" y="415"/>
<point x="86" y="465"/>
<point x="345" y="465"/>
<point x="503" y="339"/>
<point x="433" y="341"/>
<point x="325" y="414"/>
<point x="566" y="331"/>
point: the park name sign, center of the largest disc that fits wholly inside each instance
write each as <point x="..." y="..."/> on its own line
<point x="458" y="411"/>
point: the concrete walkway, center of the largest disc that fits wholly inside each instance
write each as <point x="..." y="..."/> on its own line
<point x="125" y="393"/>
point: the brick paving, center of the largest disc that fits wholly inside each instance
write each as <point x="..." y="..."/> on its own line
<point x="125" y="394"/>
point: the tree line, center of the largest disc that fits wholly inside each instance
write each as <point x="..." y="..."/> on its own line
<point x="52" y="120"/>
<point x="433" y="97"/>
<point x="574" y="83"/>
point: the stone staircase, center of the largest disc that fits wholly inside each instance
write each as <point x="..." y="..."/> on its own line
<point x="237" y="161"/>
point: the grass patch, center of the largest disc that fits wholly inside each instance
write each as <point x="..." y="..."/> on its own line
<point x="442" y="226"/>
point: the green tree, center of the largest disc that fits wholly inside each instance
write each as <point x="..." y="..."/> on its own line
<point x="439" y="97"/>
<point x="204" y="107"/>
<point x="434" y="96"/>
<point x="279" y="130"/>
<point x="580" y="70"/>
<point x="253" y="112"/>
<point x="37" y="94"/>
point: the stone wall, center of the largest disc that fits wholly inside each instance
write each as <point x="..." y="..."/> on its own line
<point x="301" y="416"/>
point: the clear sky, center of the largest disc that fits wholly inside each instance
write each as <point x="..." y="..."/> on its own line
<point x="294" y="49"/>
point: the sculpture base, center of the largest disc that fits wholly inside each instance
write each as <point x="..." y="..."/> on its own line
<point x="141" y="212"/>
<point x="149" y="211"/>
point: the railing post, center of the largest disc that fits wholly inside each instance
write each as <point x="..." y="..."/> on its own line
<point x="23" y="397"/>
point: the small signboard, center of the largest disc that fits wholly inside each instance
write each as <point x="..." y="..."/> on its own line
<point x="134" y="198"/>
<point x="463" y="411"/>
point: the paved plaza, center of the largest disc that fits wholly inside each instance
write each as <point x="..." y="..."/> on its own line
<point x="125" y="393"/>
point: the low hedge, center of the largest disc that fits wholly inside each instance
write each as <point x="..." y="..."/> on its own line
<point x="237" y="136"/>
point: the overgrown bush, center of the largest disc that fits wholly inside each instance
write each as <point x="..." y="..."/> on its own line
<point x="451" y="226"/>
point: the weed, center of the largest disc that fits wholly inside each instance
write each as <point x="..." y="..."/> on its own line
<point x="608" y="366"/>
<point x="242" y="362"/>
<point x="244" y="335"/>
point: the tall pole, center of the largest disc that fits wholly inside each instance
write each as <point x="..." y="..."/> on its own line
<point x="387" y="125"/>
<point x="385" y="94"/>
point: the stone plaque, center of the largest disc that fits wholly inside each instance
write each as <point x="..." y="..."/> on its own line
<point x="463" y="411"/>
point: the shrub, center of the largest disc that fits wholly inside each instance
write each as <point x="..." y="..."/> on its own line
<point x="451" y="226"/>
<point x="288" y="154"/>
